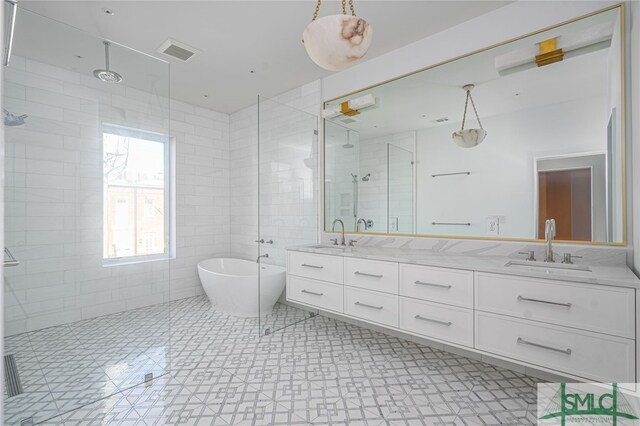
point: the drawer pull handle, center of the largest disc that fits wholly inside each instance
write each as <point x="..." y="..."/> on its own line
<point x="433" y="285"/>
<point x="369" y="306"/>
<point x="538" y="345"/>
<point x="526" y="299"/>
<point x="447" y="323"/>
<point x="312" y="292"/>
<point x="367" y="275"/>
<point x="306" y="265"/>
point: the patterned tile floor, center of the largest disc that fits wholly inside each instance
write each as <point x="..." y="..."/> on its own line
<point x="315" y="372"/>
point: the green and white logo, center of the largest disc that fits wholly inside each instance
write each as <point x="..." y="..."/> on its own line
<point x="587" y="403"/>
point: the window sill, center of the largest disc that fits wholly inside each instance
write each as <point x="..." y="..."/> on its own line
<point x="121" y="261"/>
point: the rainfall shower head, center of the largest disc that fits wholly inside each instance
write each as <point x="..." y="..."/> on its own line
<point x="366" y="177"/>
<point x="12" y="119"/>
<point x="106" y="74"/>
<point x="348" y="145"/>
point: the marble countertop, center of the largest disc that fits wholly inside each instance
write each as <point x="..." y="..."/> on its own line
<point x="610" y="275"/>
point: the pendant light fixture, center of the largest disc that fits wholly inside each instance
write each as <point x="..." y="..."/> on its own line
<point x="336" y="42"/>
<point x="468" y="138"/>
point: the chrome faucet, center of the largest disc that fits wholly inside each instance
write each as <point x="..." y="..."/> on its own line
<point x="263" y="255"/>
<point x="549" y="234"/>
<point x="358" y="224"/>
<point x="333" y="229"/>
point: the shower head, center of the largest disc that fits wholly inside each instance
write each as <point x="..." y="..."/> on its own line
<point x="106" y="74"/>
<point x="348" y="145"/>
<point x="12" y="119"/>
<point x="366" y="177"/>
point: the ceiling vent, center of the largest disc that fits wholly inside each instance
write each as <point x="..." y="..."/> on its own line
<point x="177" y="50"/>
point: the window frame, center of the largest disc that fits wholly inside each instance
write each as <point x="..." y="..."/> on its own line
<point x="169" y="143"/>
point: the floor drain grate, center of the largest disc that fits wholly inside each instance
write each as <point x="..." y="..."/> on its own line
<point x="11" y="376"/>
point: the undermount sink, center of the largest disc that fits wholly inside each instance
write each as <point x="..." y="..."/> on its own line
<point x="548" y="266"/>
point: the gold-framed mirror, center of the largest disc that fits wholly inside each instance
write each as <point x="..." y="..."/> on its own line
<point x="552" y="106"/>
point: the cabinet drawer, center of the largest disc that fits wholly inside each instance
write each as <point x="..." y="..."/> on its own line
<point x="604" y="309"/>
<point x="450" y="286"/>
<point x="317" y="293"/>
<point x="371" y="275"/>
<point x="316" y="266"/>
<point x="442" y="322"/>
<point x="581" y="353"/>
<point x="371" y="305"/>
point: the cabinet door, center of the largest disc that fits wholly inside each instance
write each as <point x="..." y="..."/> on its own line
<point x="604" y="309"/>
<point x="320" y="294"/>
<point x="450" y="286"/>
<point x="437" y="321"/>
<point x="316" y="266"/>
<point x="371" y="305"/>
<point x="581" y="353"/>
<point x="371" y="275"/>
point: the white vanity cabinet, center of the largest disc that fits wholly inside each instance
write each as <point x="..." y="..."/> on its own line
<point x="575" y="329"/>
<point x="442" y="285"/>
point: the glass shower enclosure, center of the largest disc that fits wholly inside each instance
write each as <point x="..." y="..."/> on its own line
<point x="400" y="190"/>
<point x="87" y="194"/>
<point x="288" y="202"/>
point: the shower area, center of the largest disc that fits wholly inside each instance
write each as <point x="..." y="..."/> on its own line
<point x="86" y="195"/>
<point x="104" y="216"/>
<point x="287" y="198"/>
<point x="362" y="170"/>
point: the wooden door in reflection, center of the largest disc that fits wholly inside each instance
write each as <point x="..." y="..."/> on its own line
<point x="565" y="195"/>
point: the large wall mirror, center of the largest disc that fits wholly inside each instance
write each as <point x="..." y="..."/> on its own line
<point x="552" y="107"/>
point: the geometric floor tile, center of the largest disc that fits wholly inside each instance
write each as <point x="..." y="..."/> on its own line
<point x="210" y="368"/>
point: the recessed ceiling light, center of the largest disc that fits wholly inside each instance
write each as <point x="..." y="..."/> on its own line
<point x="79" y="56"/>
<point x="424" y="115"/>
<point x="252" y="72"/>
<point x="108" y="11"/>
<point x="517" y="94"/>
<point x="206" y="96"/>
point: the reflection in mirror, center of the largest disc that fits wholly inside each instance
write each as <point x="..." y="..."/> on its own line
<point x="553" y="149"/>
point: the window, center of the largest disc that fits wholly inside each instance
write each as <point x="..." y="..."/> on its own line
<point x="148" y="208"/>
<point x="136" y="193"/>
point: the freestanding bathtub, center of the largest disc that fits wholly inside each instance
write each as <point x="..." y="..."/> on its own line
<point x="232" y="285"/>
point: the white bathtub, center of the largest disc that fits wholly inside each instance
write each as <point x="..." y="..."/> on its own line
<point x="232" y="285"/>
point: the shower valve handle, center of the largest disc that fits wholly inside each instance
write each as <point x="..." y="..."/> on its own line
<point x="262" y="241"/>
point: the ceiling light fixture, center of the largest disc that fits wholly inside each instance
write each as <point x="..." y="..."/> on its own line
<point x="336" y="42"/>
<point x="468" y="138"/>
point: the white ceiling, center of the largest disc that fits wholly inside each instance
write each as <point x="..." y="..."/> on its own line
<point x="235" y="37"/>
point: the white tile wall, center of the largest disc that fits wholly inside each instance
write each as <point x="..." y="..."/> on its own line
<point x="290" y="189"/>
<point x="54" y="197"/>
<point x="373" y="160"/>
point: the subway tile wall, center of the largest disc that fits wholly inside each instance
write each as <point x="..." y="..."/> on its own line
<point x="54" y="197"/>
<point x="289" y="181"/>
